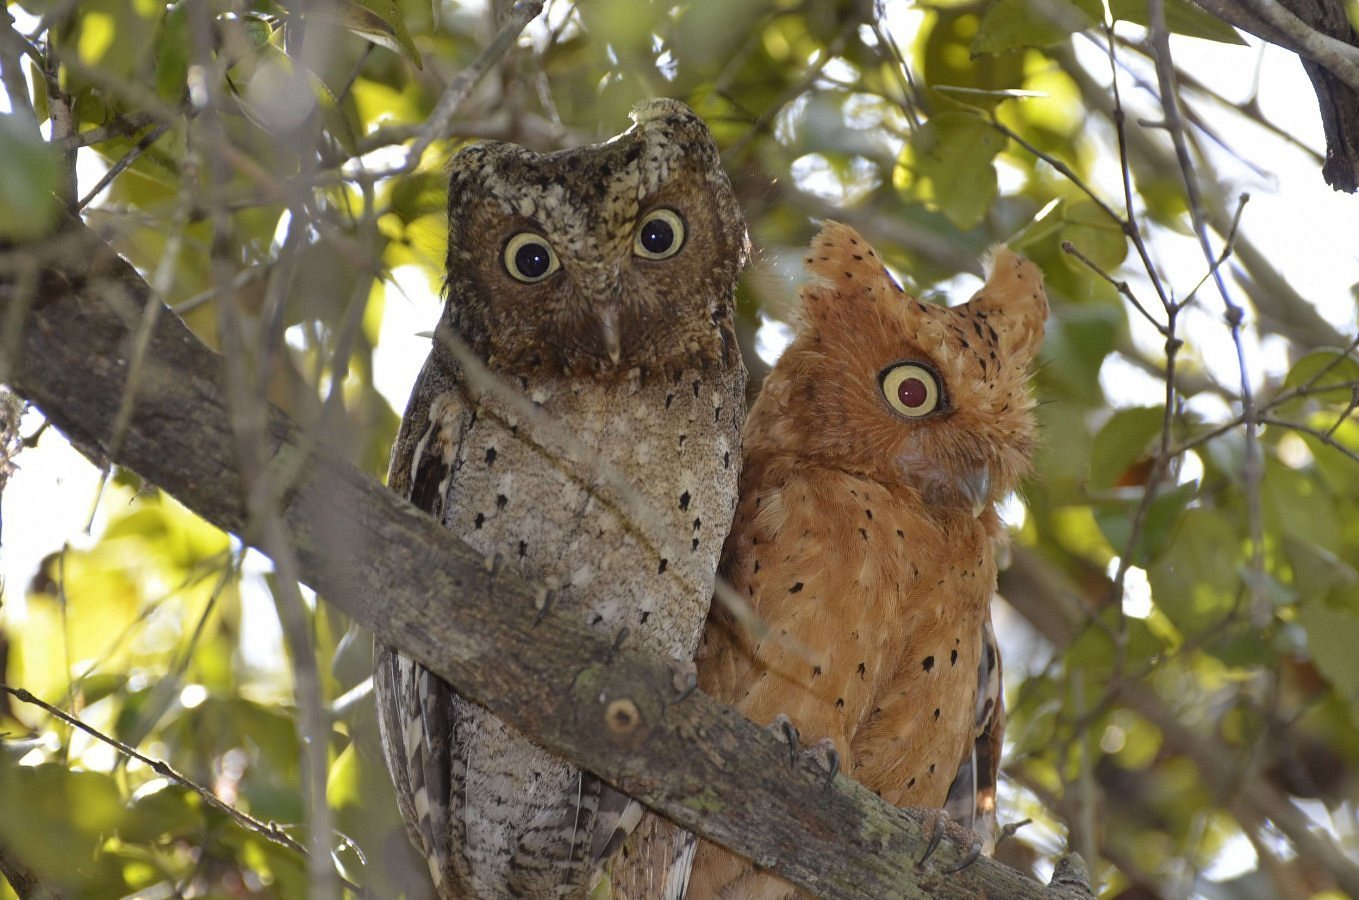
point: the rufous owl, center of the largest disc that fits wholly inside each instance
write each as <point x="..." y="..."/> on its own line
<point x="865" y="537"/>
<point x="591" y="289"/>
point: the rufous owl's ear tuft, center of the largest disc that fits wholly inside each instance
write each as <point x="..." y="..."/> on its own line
<point x="1014" y="300"/>
<point x="847" y="273"/>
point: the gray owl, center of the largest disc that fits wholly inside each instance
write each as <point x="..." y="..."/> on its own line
<point x="595" y="284"/>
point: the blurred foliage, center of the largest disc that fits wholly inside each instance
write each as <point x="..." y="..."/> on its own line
<point x="1139" y="709"/>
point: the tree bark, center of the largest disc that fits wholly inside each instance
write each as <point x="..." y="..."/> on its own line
<point x="1319" y="31"/>
<point x="24" y="880"/>
<point x="396" y="571"/>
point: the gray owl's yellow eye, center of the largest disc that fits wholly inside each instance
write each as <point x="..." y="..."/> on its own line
<point x="661" y="235"/>
<point x="911" y="389"/>
<point x="529" y="258"/>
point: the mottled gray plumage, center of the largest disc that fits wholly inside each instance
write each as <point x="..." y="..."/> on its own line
<point x="563" y="284"/>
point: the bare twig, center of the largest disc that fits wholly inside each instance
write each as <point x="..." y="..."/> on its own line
<point x="128" y="159"/>
<point x="1252" y="468"/>
<point x="1119" y="284"/>
<point x="248" y="408"/>
<point x="269" y="830"/>
<point x="125" y="125"/>
<point x="13" y="47"/>
<point x="523" y="12"/>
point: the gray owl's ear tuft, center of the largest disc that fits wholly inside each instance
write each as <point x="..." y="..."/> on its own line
<point x="659" y="108"/>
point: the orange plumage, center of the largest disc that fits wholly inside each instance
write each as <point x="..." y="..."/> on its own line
<point x="866" y="530"/>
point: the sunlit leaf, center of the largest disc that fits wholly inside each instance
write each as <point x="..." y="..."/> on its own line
<point x="1009" y="24"/>
<point x="1098" y="237"/>
<point x="1196" y="581"/>
<point x="1125" y="439"/>
<point x="1332" y="636"/>
<point x="380" y="21"/>
<point x="953" y="152"/>
<point x="1327" y="375"/>
<point x="1182" y="17"/>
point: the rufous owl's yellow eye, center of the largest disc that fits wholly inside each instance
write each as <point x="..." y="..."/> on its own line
<point x="911" y="389"/>
<point x="529" y="258"/>
<point x="661" y="235"/>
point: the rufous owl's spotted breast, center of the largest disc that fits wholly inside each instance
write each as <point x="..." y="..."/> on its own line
<point x="866" y="529"/>
<point x="578" y="420"/>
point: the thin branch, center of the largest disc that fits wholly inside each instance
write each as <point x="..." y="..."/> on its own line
<point x="1252" y="467"/>
<point x="523" y="12"/>
<point x="248" y="416"/>
<point x="1119" y="285"/>
<point x="125" y="125"/>
<point x="127" y="159"/>
<point x="1326" y="437"/>
<point x="13" y="47"/>
<point x="269" y="830"/>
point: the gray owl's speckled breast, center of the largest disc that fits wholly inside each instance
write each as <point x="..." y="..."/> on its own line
<point x="570" y="524"/>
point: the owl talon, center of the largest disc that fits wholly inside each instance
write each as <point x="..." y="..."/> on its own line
<point x="786" y="731"/>
<point x="828" y="758"/>
<point x="969" y="858"/>
<point x="940" y="822"/>
<point x="545" y="602"/>
<point x="618" y="640"/>
<point x="684" y="678"/>
<point x="825" y="758"/>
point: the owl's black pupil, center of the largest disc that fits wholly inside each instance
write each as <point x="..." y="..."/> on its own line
<point x="532" y="260"/>
<point x="912" y="393"/>
<point x="657" y="236"/>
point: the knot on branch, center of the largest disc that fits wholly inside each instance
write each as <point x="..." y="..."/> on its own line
<point x="623" y="717"/>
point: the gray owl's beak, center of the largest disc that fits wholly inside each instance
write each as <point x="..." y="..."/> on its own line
<point x="608" y="330"/>
<point x="976" y="487"/>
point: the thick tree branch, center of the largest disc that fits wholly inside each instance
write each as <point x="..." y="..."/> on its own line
<point x="24" y="880"/>
<point x="392" y="568"/>
<point x="1319" y="31"/>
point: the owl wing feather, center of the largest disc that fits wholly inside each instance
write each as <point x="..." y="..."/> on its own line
<point x="429" y="733"/>
<point x="418" y="711"/>
<point x="972" y="796"/>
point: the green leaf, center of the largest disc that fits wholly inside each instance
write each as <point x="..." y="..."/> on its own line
<point x="1126" y="438"/>
<point x="28" y="180"/>
<point x="1009" y="24"/>
<point x="1042" y="226"/>
<point x="1182" y="17"/>
<point x="1098" y="237"/>
<point x="380" y="21"/>
<point x="1296" y="503"/>
<point x="1115" y="521"/>
<point x="56" y="819"/>
<point x="172" y="54"/>
<point x="1332" y="636"/>
<point x="1196" y="582"/>
<point x="1326" y="374"/>
<point x="160" y="812"/>
<point x="953" y="152"/>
